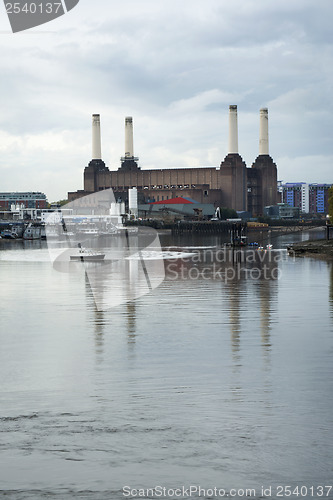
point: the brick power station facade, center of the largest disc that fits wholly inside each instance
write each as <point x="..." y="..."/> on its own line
<point x="231" y="185"/>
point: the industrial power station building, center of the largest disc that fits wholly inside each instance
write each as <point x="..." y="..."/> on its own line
<point x="231" y="184"/>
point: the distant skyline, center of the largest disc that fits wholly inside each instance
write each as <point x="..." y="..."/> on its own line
<point x="174" y="67"/>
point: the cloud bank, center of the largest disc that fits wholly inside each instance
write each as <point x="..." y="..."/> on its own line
<point x="175" y="67"/>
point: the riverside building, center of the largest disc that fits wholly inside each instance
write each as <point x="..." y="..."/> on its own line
<point x="309" y="198"/>
<point x="231" y="184"/>
<point x="23" y="200"/>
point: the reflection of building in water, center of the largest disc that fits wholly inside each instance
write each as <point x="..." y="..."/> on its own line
<point x="258" y="270"/>
<point x="99" y="333"/>
<point x="98" y="321"/>
<point x="132" y="268"/>
<point x="103" y="324"/>
<point x="131" y="323"/>
<point x="267" y="292"/>
<point x="266" y="288"/>
<point x="235" y="317"/>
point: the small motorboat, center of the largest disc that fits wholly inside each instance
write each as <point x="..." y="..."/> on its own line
<point x="85" y="255"/>
<point x="8" y="234"/>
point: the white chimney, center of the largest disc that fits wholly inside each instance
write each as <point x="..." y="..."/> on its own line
<point x="96" y="138"/>
<point x="129" y="151"/>
<point x="263" y="132"/>
<point x="233" y="129"/>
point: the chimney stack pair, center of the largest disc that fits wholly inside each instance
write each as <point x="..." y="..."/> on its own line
<point x="233" y="131"/>
<point x="96" y="137"/>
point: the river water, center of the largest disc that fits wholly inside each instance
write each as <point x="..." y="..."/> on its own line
<point x="220" y="377"/>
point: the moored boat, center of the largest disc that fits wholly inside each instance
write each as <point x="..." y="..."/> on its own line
<point x="85" y="255"/>
<point x="32" y="232"/>
<point x="8" y="234"/>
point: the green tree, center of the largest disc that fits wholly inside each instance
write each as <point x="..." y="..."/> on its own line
<point x="60" y="203"/>
<point x="228" y="213"/>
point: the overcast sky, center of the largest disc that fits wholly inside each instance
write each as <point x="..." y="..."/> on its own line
<point x="175" y="66"/>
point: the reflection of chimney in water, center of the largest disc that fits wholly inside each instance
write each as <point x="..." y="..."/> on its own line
<point x="96" y="138"/>
<point x="233" y="129"/>
<point x="129" y="150"/>
<point x="263" y="132"/>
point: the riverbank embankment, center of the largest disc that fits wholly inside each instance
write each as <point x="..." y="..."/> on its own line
<point x="313" y="248"/>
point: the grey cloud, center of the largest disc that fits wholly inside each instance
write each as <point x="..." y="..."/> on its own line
<point x="175" y="67"/>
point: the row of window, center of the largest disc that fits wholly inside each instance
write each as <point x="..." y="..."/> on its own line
<point x="22" y="196"/>
<point x="157" y="186"/>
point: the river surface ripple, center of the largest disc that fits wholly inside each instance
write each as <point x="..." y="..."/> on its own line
<point x="204" y="381"/>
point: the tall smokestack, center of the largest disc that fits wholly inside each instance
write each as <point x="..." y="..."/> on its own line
<point x="96" y="138"/>
<point x="263" y="132"/>
<point x="233" y="129"/>
<point x="129" y="151"/>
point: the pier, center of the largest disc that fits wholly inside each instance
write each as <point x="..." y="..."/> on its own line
<point x="237" y="230"/>
<point x="223" y="227"/>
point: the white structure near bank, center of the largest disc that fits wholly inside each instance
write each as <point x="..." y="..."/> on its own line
<point x="133" y="202"/>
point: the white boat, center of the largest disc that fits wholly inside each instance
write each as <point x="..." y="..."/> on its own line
<point x="86" y="230"/>
<point x="89" y="232"/>
<point x="85" y="255"/>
